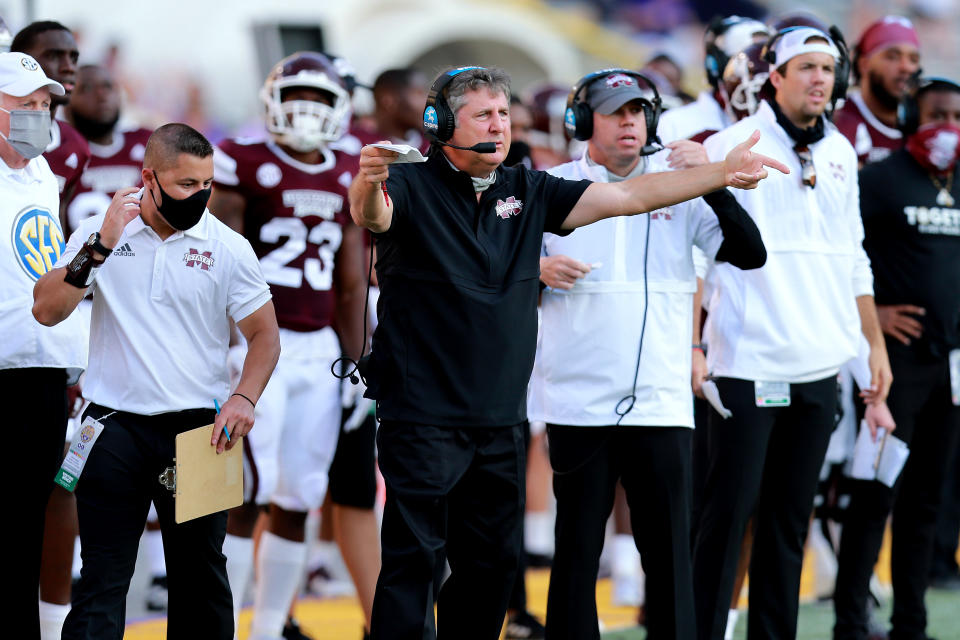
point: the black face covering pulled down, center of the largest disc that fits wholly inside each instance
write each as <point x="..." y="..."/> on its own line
<point x="803" y="137"/>
<point x="181" y="214"/>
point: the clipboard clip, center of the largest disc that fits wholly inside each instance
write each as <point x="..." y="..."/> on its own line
<point x="169" y="478"/>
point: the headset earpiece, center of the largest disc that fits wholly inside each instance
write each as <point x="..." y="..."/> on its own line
<point x="908" y="116"/>
<point x="438" y="119"/>
<point x="578" y="117"/>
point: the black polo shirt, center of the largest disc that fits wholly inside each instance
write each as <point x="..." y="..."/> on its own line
<point x="914" y="247"/>
<point x="458" y="292"/>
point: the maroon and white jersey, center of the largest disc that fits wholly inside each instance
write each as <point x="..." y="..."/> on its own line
<point x="294" y="218"/>
<point x="67" y="154"/>
<point x="111" y="167"/>
<point x="872" y="139"/>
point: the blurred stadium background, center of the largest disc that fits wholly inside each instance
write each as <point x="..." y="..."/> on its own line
<point x="203" y="62"/>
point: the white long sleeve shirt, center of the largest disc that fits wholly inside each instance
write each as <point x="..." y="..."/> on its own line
<point x="591" y="333"/>
<point x="795" y="319"/>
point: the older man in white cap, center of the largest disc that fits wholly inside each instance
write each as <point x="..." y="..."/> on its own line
<point x="778" y="336"/>
<point x="36" y="362"/>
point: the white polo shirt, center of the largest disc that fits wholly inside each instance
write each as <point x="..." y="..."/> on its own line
<point x="159" y="331"/>
<point x="795" y="319"/>
<point x="590" y="334"/>
<point x="31" y="242"/>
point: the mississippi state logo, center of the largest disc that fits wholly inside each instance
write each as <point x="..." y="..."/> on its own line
<point x="662" y="214"/>
<point x="203" y="258"/>
<point x="430" y="118"/>
<point x="509" y="207"/>
<point x="37" y="240"/>
<point x="618" y="80"/>
<point x="838" y="171"/>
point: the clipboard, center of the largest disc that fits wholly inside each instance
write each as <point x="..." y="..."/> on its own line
<point x="205" y="482"/>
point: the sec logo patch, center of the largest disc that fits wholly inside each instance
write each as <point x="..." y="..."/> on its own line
<point x="37" y="240"/>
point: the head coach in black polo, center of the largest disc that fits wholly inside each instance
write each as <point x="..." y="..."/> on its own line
<point x="458" y="240"/>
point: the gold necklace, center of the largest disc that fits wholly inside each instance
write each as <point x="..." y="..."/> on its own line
<point x="944" y="199"/>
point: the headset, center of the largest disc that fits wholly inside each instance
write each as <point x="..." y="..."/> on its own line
<point x="908" y="113"/>
<point x="715" y="60"/>
<point x="578" y="117"/>
<point x="841" y="76"/>
<point x="438" y="118"/>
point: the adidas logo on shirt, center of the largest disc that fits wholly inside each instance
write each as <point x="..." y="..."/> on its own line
<point x="124" y="250"/>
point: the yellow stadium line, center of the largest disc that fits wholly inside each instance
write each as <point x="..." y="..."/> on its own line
<point x="341" y="619"/>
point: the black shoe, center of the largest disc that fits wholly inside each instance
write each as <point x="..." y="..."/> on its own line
<point x="539" y="561"/>
<point x="523" y="626"/>
<point x="291" y="631"/>
<point x="157" y="594"/>
<point x="946" y="583"/>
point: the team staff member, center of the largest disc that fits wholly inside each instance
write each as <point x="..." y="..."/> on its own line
<point x="778" y="336"/>
<point x="458" y="240"/>
<point x="583" y="371"/>
<point x="53" y="46"/>
<point x="34" y="360"/>
<point x="159" y="336"/>
<point x="912" y="226"/>
<point x="884" y="59"/>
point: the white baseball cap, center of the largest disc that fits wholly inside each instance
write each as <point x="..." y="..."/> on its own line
<point x="794" y="42"/>
<point x="21" y="75"/>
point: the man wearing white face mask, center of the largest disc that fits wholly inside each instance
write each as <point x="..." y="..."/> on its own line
<point x="35" y="361"/>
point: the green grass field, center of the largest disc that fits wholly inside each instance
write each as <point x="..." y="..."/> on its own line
<point x="816" y="620"/>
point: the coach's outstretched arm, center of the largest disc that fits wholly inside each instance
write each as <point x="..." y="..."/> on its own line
<point x="741" y="168"/>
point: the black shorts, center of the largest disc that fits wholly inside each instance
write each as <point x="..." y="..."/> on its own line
<point x="353" y="473"/>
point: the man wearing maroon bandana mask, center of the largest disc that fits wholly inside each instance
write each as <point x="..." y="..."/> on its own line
<point x="912" y="235"/>
<point x="884" y="60"/>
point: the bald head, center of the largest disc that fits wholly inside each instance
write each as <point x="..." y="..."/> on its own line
<point x="169" y="141"/>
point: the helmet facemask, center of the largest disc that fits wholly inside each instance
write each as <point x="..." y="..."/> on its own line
<point x="306" y="125"/>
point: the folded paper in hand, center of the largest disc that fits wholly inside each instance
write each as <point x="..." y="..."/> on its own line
<point x="881" y="459"/>
<point x="712" y="394"/>
<point x="407" y="153"/>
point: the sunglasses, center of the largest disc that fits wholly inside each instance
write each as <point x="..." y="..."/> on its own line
<point x="808" y="172"/>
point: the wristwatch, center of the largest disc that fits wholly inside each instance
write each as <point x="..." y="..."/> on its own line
<point x="94" y="243"/>
<point x="83" y="268"/>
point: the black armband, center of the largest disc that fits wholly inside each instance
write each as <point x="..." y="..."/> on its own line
<point x="82" y="270"/>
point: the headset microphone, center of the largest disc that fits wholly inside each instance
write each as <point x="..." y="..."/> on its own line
<point x="652" y="147"/>
<point x="481" y="147"/>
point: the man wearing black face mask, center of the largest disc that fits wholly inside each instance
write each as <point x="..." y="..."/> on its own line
<point x="911" y="221"/>
<point x="159" y="336"/>
<point x="115" y="153"/>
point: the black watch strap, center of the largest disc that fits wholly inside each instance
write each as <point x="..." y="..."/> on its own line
<point x="99" y="248"/>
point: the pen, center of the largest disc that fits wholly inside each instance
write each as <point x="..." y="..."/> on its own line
<point x="386" y="198"/>
<point x="883" y="443"/>
<point x="216" y="405"/>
